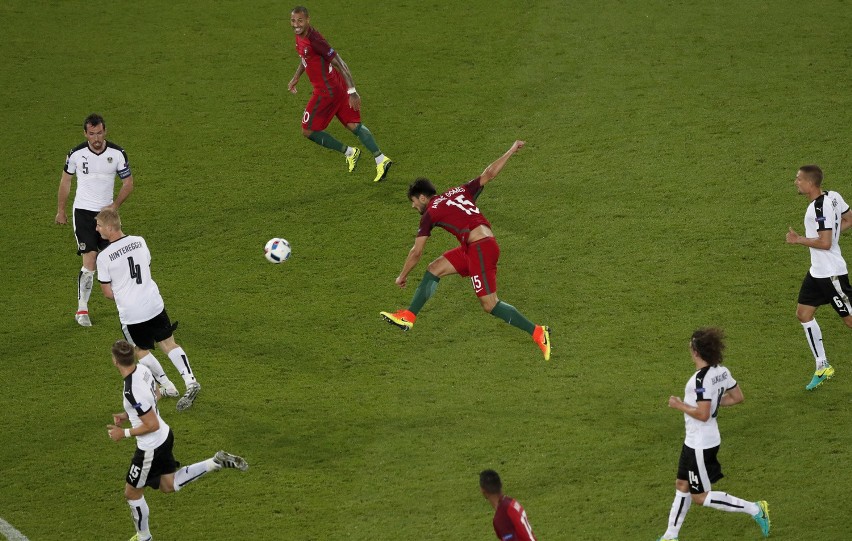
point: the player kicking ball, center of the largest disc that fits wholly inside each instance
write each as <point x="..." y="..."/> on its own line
<point x="455" y="210"/>
<point x="153" y="463"/>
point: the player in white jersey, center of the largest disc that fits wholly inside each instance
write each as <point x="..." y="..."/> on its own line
<point x="96" y="164"/>
<point x="827" y="281"/>
<point x="153" y="463"/>
<point x="124" y="271"/>
<point x="709" y="388"/>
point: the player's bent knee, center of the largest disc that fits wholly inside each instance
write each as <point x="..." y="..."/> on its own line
<point x="805" y="313"/>
<point x="699" y="498"/>
<point x="307" y="133"/>
<point x="168" y="344"/>
<point x="488" y="304"/>
<point x="167" y="483"/>
<point x="132" y="493"/>
<point x="441" y="267"/>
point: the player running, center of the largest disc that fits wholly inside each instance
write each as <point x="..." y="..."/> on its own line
<point x="456" y="211"/>
<point x="334" y="94"/>
<point x="827" y="280"/>
<point x="153" y="464"/>
<point x="709" y="388"/>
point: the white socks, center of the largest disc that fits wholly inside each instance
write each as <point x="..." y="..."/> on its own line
<point x="349" y="152"/>
<point x="151" y="363"/>
<point x="178" y="358"/>
<point x="84" y="288"/>
<point x="726" y="502"/>
<point x="714" y="499"/>
<point x="139" y="512"/>
<point x="188" y="474"/>
<point x="680" y="506"/>
<point x="813" y="334"/>
<point x="380" y="158"/>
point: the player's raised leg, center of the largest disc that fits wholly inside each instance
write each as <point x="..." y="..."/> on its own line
<point x="508" y="313"/>
<point x="193" y="472"/>
<point x="383" y="163"/>
<point x="482" y="258"/>
<point x="723" y="501"/>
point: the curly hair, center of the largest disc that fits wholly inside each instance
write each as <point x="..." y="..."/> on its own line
<point x="709" y="344"/>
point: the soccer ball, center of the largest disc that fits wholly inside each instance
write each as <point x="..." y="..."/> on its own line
<point x="277" y="250"/>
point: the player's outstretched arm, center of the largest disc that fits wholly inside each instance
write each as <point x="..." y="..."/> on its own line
<point x="411" y="261"/>
<point x="494" y="169"/>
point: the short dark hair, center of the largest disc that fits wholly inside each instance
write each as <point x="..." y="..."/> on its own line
<point x="709" y="343"/>
<point x="122" y="350"/>
<point x="813" y="172"/>
<point x="421" y="186"/>
<point x="489" y="481"/>
<point x="301" y="9"/>
<point x="93" y="120"/>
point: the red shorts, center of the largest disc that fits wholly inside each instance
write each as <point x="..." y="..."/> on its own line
<point x="479" y="261"/>
<point x="322" y="108"/>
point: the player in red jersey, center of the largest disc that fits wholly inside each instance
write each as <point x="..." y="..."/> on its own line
<point x="456" y="211"/>
<point x="510" y="519"/>
<point x="333" y="95"/>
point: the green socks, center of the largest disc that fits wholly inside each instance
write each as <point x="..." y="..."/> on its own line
<point x="510" y="315"/>
<point x="425" y="290"/>
<point x="326" y="140"/>
<point x="366" y="137"/>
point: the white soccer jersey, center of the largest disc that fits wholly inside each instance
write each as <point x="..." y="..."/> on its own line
<point x="126" y="265"/>
<point x="139" y="399"/>
<point x="96" y="174"/>
<point x="824" y="213"/>
<point x="709" y="383"/>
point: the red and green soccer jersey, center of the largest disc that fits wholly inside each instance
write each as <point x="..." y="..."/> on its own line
<point x="455" y="210"/>
<point x="510" y="521"/>
<point x="316" y="55"/>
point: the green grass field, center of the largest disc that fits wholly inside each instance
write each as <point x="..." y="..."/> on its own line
<point x="652" y="198"/>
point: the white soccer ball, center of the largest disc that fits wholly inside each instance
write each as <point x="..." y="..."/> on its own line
<point x="277" y="250"/>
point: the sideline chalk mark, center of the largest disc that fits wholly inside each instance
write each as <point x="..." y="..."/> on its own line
<point x="10" y="532"/>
